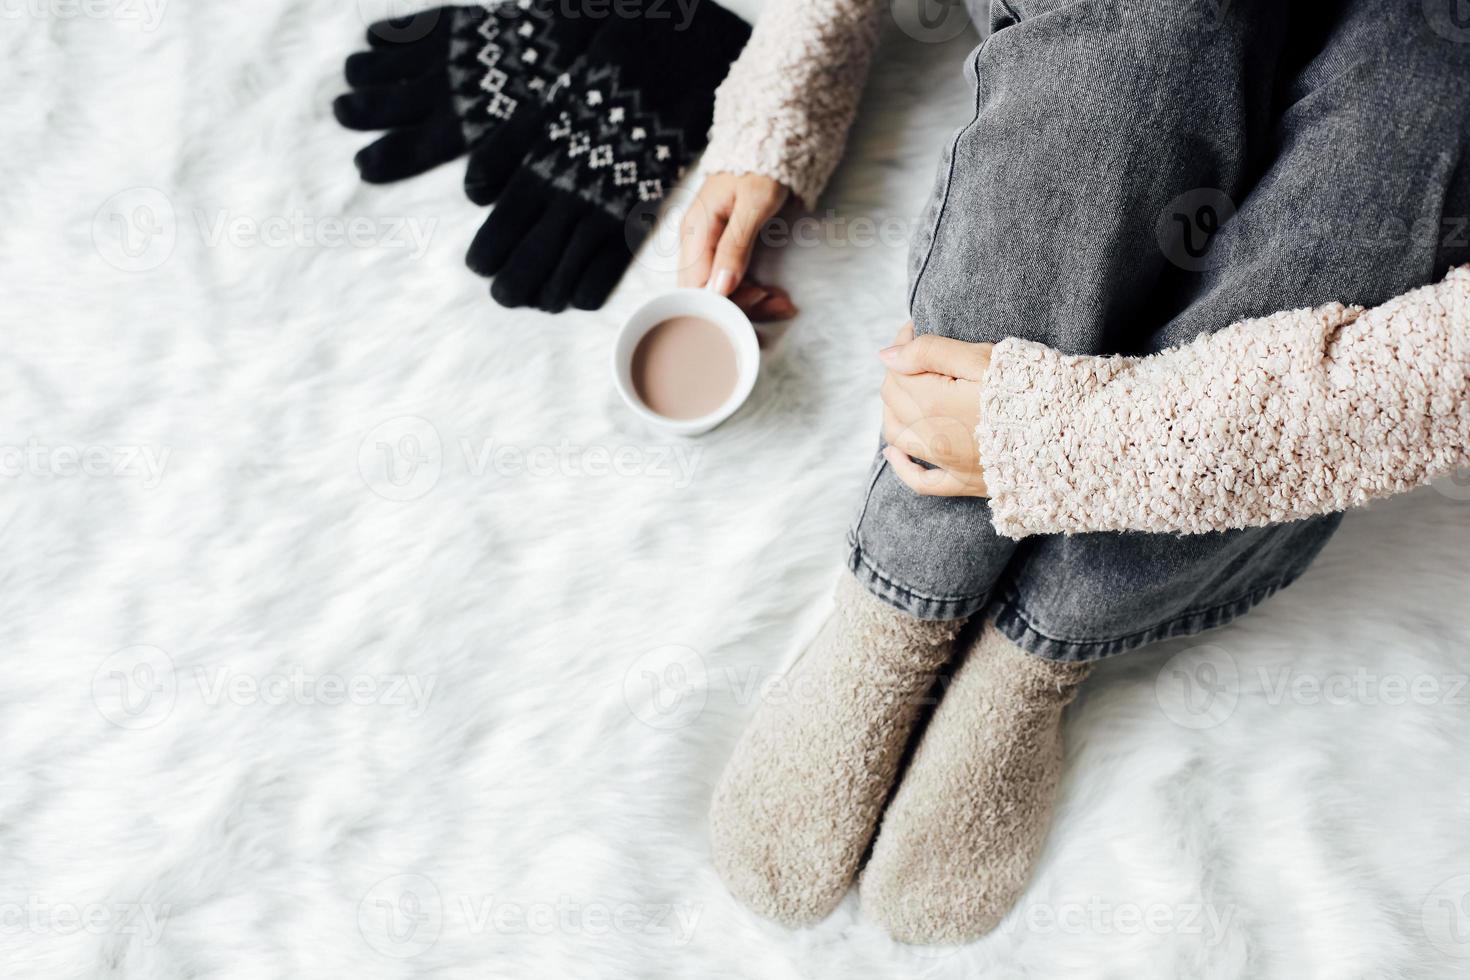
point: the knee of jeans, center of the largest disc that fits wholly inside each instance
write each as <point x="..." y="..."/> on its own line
<point x="1145" y="36"/>
<point x="940" y="548"/>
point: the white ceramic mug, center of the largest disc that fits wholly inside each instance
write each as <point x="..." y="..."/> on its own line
<point x="707" y="305"/>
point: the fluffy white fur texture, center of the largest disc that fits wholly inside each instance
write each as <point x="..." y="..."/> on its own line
<point x="216" y="761"/>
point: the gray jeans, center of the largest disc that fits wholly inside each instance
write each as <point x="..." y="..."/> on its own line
<point x="1138" y="172"/>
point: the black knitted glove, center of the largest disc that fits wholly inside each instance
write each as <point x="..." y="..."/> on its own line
<point x="625" y="123"/>
<point x="459" y="79"/>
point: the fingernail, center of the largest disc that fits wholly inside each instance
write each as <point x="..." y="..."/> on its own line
<point x="724" y="281"/>
<point x="890" y="354"/>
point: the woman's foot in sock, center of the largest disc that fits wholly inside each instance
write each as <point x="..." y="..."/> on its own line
<point x="971" y="813"/>
<point x="799" y="800"/>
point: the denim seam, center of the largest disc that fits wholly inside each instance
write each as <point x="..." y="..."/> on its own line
<point x="857" y="525"/>
<point x="954" y="147"/>
<point x="888" y="580"/>
<point x="1013" y="599"/>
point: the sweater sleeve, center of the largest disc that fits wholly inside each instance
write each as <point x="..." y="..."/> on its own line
<point x="1296" y="414"/>
<point x="786" y="105"/>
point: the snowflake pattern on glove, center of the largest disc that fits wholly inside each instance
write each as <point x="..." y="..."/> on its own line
<point x="503" y="60"/>
<point x="601" y="147"/>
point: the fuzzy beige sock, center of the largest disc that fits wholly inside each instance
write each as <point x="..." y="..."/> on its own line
<point x="961" y="835"/>
<point x="798" y="802"/>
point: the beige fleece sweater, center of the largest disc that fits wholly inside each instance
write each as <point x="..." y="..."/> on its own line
<point x="786" y="106"/>
<point x="1300" y="413"/>
<point x="1295" y="414"/>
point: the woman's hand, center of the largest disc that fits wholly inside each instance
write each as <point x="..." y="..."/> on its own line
<point x="718" y="235"/>
<point x="931" y="406"/>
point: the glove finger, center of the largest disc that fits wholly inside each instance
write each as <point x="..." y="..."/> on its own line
<point x="591" y="236"/>
<point x="535" y="258"/>
<point x="602" y="275"/>
<point x="410" y="29"/>
<point x="496" y="159"/>
<point x="508" y="223"/>
<point x="410" y="151"/>
<point x="385" y="65"/>
<point x="387" y="106"/>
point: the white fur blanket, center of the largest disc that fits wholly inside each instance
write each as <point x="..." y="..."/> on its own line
<point x="271" y="710"/>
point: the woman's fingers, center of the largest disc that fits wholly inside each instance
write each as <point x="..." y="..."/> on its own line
<point x="763" y="303"/>
<point x="932" y="353"/>
<point x="900" y="434"/>
<point x="772" y="309"/>
<point x="927" y="483"/>
<point x="931" y="407"/>
<point x="754" y="205"/>
<point x="944" y="442"/>
<point x="933" y="418"/>
<point x="700" y="231"/>
<point x="918" y="396"/>
<point x="897" y="401"/>
<point x="719" y="232"/>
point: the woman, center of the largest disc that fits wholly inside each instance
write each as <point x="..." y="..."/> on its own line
<point x="1135" y="175"/>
